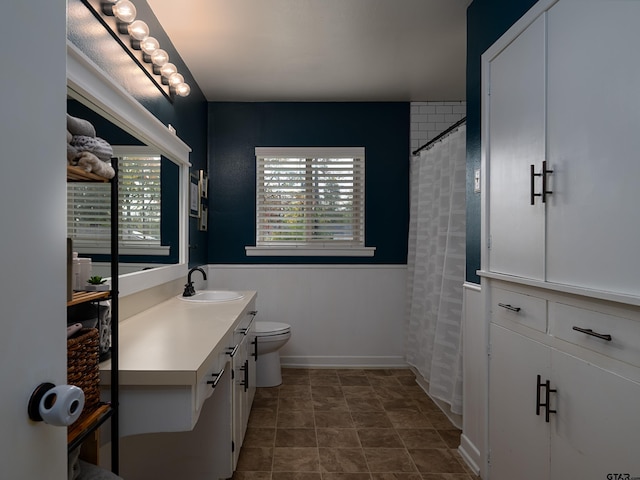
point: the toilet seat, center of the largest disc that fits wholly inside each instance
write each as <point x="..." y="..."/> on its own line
<point x="267" y="329"/>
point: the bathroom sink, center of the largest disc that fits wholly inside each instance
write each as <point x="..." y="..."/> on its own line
<point x="213" y="296"/>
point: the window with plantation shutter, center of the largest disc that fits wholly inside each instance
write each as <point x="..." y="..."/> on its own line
<point x="310" y="201"/>
<point x="139" y="203"/>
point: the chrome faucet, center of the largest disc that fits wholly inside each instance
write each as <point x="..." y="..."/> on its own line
<point x="189" y="291"/>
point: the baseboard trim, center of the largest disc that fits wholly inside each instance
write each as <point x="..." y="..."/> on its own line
<point x="470" y="454"/>
<point x="342" y="362"/>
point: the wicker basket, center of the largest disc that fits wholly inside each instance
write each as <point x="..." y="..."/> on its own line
<point x="83" y="371"/>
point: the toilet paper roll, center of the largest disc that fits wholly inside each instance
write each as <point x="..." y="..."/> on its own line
<point x="61" y="405"/>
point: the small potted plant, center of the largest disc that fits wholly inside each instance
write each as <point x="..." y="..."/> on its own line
<point x="97" y="284"/>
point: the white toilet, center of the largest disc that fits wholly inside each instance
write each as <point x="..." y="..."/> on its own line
<point x="271" y="336"/>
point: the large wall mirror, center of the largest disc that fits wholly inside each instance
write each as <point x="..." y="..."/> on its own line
<point x="159" y="252"/>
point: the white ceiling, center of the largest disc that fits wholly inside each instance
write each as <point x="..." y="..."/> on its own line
<point x="321" y="50"/>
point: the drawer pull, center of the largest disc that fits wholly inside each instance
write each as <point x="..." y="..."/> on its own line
<point x="588" y="331"/>
<point x="253" y="317"/>
<point x="218" y="376"/>
<point x="509" y="307"/>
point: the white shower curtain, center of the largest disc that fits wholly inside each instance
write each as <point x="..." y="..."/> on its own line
<point x="436" y="267"/>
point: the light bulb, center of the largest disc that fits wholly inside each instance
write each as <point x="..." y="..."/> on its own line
<point x="159" y="57"/>
<point x="125" y="11"/>
<point x="149" y="45"/>
<point x="175" y="80"/>
<point x="138" y="30"/>
<point x="183" y="89"/>
<point x="168" y="69"/>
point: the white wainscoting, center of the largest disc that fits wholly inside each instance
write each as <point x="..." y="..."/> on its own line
<point x="340" y="315"/>
<point x="474" y="408"/>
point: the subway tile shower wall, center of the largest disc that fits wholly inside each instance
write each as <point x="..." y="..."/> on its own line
<point x="428" y="119"/>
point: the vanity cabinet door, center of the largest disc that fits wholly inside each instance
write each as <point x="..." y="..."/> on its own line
<point x="516" y="97"/>
<point x="237" y="365"/>
<point x="595" y="432"/>
<point x="518" y="438"/>
<point x="244" y="378"/>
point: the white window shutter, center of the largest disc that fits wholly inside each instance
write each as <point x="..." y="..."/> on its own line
<point x="310" y="196"/>
<point x="139" y="203"/>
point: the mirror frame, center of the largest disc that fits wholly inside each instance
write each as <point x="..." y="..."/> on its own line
<point x="89" y="84"/>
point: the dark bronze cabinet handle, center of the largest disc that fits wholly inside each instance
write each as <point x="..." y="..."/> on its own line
<point x="545" y="171"/>
<point x="533" y="186"/>
<point x="544" y="174"/>
<point x="231" y="351"/>
<point x="255" y="349"/>
<point x="245" y="370"/>
<point x="588" y="331"/>
<point x="509" y="307"/>
<point x="538" y="403"/>
<point x="217" y="376"/>
<point x="547" y="398"/>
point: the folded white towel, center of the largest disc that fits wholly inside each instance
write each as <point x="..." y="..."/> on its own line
<point x="91" y="163"/>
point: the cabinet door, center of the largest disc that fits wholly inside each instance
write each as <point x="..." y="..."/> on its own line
<point x="252" y="355"/>
<point x="238" y="396"/>
<point x="517" y="141"/>
<point x="245" y="381"/>
<point x="593" y="144"/>
<point x="518" y="438"/>
<point x="202" y="453"/>
<point x="595" y="432"/>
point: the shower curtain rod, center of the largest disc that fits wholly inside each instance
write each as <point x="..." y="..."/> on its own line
<point x="441" y="135"/>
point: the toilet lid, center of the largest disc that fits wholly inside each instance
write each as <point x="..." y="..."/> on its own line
<point x="271" y="328"/>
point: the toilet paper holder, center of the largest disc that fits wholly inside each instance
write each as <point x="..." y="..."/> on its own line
<point x="60" y="406"/>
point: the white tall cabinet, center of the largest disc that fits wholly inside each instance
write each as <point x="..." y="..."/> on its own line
<point x="560" y="273"/>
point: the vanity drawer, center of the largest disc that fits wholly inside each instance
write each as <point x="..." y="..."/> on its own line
<point x="596" y="327"/>
<point x="512" y="307"/>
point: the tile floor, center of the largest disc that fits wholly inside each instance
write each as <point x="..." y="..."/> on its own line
<point x="355" y="424"/>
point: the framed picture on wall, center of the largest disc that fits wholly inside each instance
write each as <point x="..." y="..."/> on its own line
<point x="204" y="185"/>
<point x="194" y="196"/>
<point x="202" y="223"/>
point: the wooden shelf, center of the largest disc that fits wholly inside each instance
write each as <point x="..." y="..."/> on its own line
<point x="88" y="422"/>
<point x="83" y="432"/>
<point x="83" y="297"/>
<point x="77" y="174"/>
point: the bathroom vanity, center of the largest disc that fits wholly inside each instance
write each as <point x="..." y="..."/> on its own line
<point x="187" y="379"/>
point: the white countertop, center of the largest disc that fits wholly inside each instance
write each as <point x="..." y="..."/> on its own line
<point x="171" y="343"/>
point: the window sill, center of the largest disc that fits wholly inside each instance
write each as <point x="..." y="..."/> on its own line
<point x="158" y="250"/>
<point x="306" y="251"/>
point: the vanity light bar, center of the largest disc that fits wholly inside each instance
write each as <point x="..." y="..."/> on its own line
<point x="124" y="12"/>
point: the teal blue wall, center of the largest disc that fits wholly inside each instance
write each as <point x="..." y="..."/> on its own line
<point x="188" y="115"/>
<point x="235" y="129"/>
<point x="487" y="20"/>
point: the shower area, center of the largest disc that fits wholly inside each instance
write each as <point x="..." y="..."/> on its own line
<point x="436" y="267"/>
